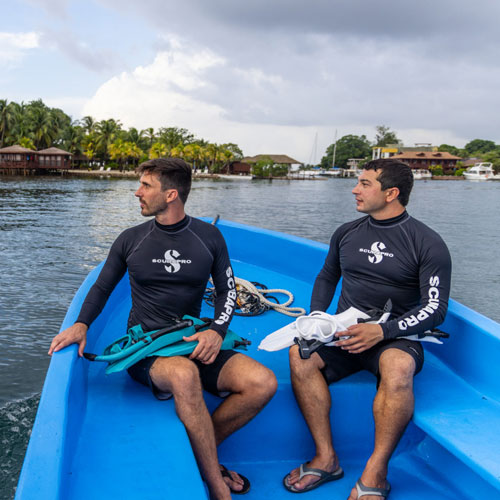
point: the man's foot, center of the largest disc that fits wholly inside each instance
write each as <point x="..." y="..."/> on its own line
<point x="361" y="490"/>
<point x="311" y="475"/>
<point x="238" y="484"/>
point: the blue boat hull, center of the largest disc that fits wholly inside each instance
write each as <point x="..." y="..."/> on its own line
<point x="98" y="436"/>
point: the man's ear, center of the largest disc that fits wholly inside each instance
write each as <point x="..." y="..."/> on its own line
<point x="391" y="194"/>
<point x="171" y="195"/>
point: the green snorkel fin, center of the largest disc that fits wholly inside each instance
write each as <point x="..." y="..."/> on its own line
<point x="137" y="345"/>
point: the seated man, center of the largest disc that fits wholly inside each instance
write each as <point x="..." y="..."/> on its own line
<point x="169" y="260"/>
<point x="385" y="255"/>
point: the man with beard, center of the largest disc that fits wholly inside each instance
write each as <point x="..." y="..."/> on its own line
<point x="169" y="259"/>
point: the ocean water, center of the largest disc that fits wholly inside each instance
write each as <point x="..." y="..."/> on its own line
<point x="53" y="231"/>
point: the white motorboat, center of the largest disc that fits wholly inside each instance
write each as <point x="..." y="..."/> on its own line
<point x="421" y="174"/>
<point x="479" y="172"/>
<point x="494" y="178"/>
<point x="334" y="172"/>
<point x="235" y="177"/>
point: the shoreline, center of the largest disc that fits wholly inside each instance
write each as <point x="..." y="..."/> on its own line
<point x="117" y="174"/>
<point x="122" y="175"/>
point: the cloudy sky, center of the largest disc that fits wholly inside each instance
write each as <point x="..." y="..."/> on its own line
<point x="269" y="75"/>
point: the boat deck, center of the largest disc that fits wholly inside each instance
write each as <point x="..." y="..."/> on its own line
<point x="116" y="441"/>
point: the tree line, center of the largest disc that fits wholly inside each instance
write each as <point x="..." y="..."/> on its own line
<point x="36" y="126"/>
<point x="358" y="146"/>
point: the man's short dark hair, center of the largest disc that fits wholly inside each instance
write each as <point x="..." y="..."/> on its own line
<point x="393" y="173"/>
<point x="174" y="173"/>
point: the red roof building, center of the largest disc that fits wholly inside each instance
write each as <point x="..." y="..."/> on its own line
<point x="426" y="159"/>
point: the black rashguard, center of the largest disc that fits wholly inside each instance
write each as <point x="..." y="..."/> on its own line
<point x="399" y="259"/>
<point x="169" y="267"/>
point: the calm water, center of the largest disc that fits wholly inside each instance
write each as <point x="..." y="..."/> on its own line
<point x="53" y="231"/>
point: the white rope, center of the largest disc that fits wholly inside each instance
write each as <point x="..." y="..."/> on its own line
<point x="260" y="292"/>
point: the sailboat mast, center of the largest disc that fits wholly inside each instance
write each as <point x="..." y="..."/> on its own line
<point x="334" y="149"/>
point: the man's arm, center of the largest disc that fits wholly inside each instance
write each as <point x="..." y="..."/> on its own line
<point x="435" y="279"/>
<point x="111" y="273"/>
<point x="435" y="283"/>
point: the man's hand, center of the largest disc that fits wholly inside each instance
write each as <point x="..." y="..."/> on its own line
<point x="362" y="337"/>
<point x="209" y="342"/>
<point x="76" y="334"/>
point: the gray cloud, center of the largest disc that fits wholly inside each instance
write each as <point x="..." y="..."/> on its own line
<point x="426" y="64"/>
<point x="95" y="59"/>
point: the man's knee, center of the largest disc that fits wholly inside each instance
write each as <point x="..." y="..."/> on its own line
<point x="179" y="376"/>
<point x="245" y="375"/>
<point x="303" y="367"/>
<point x="397" y="369"/>
<point x="263" y="381"/>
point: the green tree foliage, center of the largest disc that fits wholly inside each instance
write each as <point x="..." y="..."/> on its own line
<point x="106" y="131"/>
<point x="349" y="146"/>
<point x="478" y="146"/>
<point x="447" y="148"/>
<point x="436" y="170"/>
<point x="125" y="153"/>
<point x="7" y="116"/>
<point x="234" y="149"/>
<point x="385" y="136"/>
<point x="27" y="143"/>
<point x="493" y="157"/>
<point x="173" y="136"/>
<point x="265" y="167"/>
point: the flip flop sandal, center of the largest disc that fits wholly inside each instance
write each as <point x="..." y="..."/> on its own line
<point x="364" y="491"/>
<point x="324" y="477"/>
<point x="246" y="482"/>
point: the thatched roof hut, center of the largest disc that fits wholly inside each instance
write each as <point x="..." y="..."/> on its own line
<point x="276" y="159"/>
<point x="54" y="158"/>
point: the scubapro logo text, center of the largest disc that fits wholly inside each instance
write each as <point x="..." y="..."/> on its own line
<point x="171" y="261"/>
<point x="376" y="253"/>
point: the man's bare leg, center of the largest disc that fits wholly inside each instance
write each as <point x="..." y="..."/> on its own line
<point x="313" y="398"/>
<point x="180" y="376"/>
<point x="252" y="386"/>
<point x="392" y="410"/>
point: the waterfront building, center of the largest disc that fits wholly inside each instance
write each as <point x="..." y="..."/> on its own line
<point x="54" y="159"/>
<point x="15" y="160"/>
<point x="426" y="159"/>
<point x="236" y="168"/>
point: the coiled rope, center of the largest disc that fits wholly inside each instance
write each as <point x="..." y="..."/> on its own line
<point x="252" y="301"/>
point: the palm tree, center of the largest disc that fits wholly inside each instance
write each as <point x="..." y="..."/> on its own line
<point x="136" y="137"/>
<point x="7" y="117"/>
<point x="21" y="123"/>
<point x="158" y="150"/>
<point x="89" y="146"/>
<point x="106" y="131"/>
<point x="173" y="136"/>
<point x="44" y="128"/>
<point x="26" y="142"/>
<point x="88" y="124"/>
<point x="150" y="135"/>
<point x="73" y="139"/>
<point x="177" y="151"/>
<point x="122" y="151"/>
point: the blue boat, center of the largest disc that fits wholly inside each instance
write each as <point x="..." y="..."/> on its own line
<point x="107" y="437"/>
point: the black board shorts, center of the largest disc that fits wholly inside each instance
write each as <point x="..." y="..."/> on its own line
<point x="209" y="374"/>
<point x="340" y="363"/>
